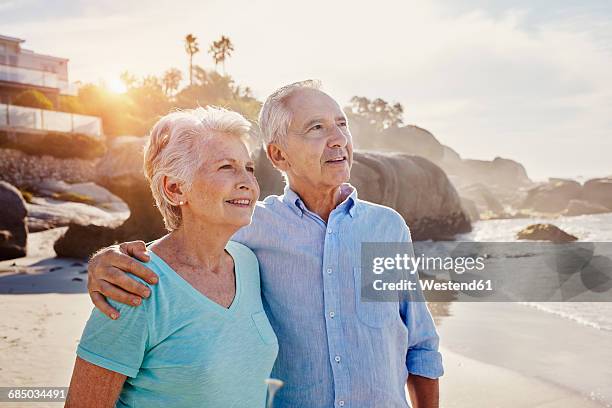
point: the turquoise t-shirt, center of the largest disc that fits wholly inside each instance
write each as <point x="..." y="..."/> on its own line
<point x="181" y="349"/>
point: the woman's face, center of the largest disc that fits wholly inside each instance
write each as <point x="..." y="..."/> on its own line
<point x="224" y="190"/>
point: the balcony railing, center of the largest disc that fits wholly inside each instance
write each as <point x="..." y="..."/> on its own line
<point x="39" y="119"/>
<point x="37" y="78"/>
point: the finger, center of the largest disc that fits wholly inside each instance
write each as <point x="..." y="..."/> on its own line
<point x="128" y="264"/>
<point x="100" y="302"/>
<point x="136" y="249"/>
<point x="119" y="295"/>
<point x="128" y="283"/>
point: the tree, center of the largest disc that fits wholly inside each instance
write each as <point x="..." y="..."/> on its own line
<point x="128" y="79"/>
<point x="191" y="47"/>
<point x="221" y="50"/>
<point x="70" y="104"/>
<point x="200" y="75"/>
<point x="32" y="99"/>
<point x="171" y="80"/>
<point x="378" y="112"/>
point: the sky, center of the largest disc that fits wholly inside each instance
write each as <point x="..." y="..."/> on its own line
<point x="525" y="80"/>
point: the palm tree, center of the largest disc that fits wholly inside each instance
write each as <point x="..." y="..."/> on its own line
<point x="221" y="50"/>
<point x="191" y="47"/>
<point x="171" y="80"/>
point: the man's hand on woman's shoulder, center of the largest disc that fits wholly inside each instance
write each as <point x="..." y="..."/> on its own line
<point x="108" y="278"/>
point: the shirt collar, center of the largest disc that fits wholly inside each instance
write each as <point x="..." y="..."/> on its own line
<point x="297" y="205"/>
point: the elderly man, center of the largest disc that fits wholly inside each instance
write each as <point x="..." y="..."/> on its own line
<point x="334" y="349"/>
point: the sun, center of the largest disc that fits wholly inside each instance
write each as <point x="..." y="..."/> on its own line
<point x="117" y="86"/>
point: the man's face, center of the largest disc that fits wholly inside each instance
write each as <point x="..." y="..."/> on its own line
<point x="318" y="146"/>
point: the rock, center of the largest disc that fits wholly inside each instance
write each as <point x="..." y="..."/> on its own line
<point x="54" y="213"/>
<point x="413" y="140"/>
<point x="120" y="171"/>
<point x="581" y="207"/>
<point x="415" y="187"/>
<point x="470" y="209"/>
<point x="598" y="191"/>
<point x="13" y="228"/>
<point x="403" y="139"/>
<point x="553" y="196"/>
<point x="81" y="241"/>
<point x="87" y="193"/>
<point x="545" y="232"/>
<point x="499" y="172"/>
<point x="483" y="198"/>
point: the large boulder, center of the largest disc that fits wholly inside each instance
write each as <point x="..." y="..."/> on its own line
<point x="58" y="204"/>
<point x="415" y="187"/>
<point x="486" y="202"/>
<point x="581" y="207"/>
<point x="545" y="232"/>
<point x="120" y="171"/>
<point x="13" y="227"/>
<point x="552" y="197"/>
<point x="413" y="140"/>
<point x="499" y="172"/>
<point x="598" y="191"/>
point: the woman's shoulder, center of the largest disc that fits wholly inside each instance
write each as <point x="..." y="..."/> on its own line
<point x="242" y="254"/>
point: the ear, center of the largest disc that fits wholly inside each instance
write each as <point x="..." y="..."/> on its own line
<point x="173" y="189"/>
<point x="278" y="157"/>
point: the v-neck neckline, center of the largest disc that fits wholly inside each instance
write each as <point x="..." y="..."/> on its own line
<point x="199" y="296"/>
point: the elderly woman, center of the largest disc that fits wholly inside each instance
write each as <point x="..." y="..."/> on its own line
<point x="201" y="338"/>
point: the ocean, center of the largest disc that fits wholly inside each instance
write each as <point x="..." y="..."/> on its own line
<point x="594" y="228"/>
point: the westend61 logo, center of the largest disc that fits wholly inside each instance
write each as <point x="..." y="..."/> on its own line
<point x="486" y="271"/>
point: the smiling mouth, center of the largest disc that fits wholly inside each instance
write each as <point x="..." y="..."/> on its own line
<point x="336" y="160"/>
<point x="241" y="203"/>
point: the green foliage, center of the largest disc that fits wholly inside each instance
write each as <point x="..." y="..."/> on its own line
<point x="171" y="80"/>
<point x="70" y="104"/>
<point x="57" y="144"/>
<point x="147" y="99"/>
<point x="377" y="112"/>
<point x="32" y="98"/>
<point x="191" y="48"/>
<point x="220" y="50"/>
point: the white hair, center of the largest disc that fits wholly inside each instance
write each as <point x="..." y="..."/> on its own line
<point x="174" y="150"/>
<point x="275" y="118"/>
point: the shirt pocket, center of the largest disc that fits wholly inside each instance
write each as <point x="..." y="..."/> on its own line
<point x="373" y="313"/>
<point x="262" y="324"/>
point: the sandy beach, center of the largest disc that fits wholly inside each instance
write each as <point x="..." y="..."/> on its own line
<point x="510" y="355"/>
<point x="495" y="355"/>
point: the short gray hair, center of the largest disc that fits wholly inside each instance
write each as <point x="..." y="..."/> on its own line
<point x="275" y="118"/>
<point x="173" y="150"/>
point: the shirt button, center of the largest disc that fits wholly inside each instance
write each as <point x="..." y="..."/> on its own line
<point x="332" y="314"/>
<point x="341" y="403"/>
<point x="337" y="359"/>
<point x="329" y="271"/>
<point x="329" y="231"/>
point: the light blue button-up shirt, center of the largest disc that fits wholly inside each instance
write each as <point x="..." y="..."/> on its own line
<point x="334" y="350"/>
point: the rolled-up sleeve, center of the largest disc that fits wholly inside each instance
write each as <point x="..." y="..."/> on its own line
<point x="423" y="358"/>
